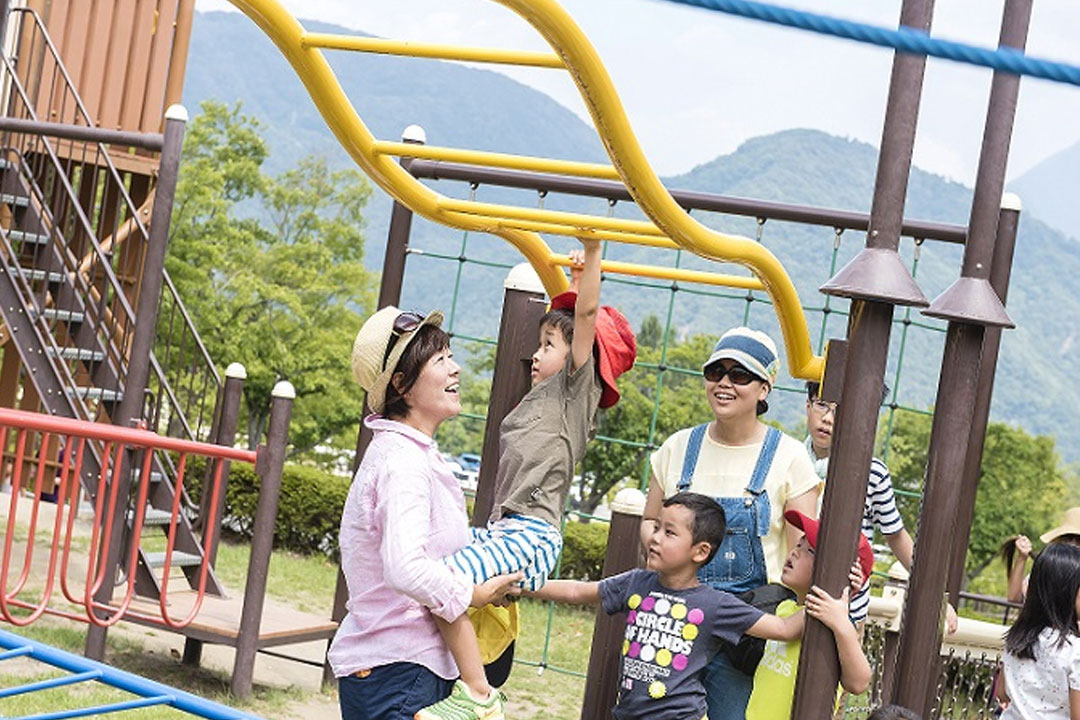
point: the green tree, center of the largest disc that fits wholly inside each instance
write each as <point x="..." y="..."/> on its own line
<point x="682" y="403"/>
<point x="1022" y="485"/>
<point x="272" y="271"/>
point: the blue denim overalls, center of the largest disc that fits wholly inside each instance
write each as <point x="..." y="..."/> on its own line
<point x="739" y="565"/>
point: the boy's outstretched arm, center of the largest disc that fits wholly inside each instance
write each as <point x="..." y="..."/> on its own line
<point x="771" y="627"/>
<point x="574" y="592"/>
<point x="855" y="670"/>
<point x="587" y="305"/>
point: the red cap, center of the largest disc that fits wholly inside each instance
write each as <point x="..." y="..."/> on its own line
<point x="615" y="348"/>
<point x="810" y="527"/>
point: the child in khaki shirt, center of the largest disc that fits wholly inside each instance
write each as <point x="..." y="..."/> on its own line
<point x="583" y="348"/>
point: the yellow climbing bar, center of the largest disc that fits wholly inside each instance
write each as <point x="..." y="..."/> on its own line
<point x="499" y="160"/>
<point x="742" y="282"/>
<point x="668" y="225"/>
<point x="576" y="222"/>
<point x="382" y="46"/>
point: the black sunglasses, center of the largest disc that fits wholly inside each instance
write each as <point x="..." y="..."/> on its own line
<point x="405" y="322"/>
<point x="737" y="373"/>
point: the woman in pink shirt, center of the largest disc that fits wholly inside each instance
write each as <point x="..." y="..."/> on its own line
<point x="405" y="511"/>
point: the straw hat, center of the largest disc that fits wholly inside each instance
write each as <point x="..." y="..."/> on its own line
<point x="1070" y="525"/>
<point x="370" y="346"/>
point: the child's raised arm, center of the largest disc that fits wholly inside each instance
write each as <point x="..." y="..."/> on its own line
<point x="588" y="303"/>
<point x="574" y="592"/>
<point x="855" y="670"/>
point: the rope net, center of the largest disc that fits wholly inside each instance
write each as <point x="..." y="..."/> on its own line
<point x="675" y="333"/>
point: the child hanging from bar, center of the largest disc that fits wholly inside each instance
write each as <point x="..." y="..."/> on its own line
<point x="583" y="348"/>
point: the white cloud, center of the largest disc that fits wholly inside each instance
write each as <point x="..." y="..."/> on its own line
<point x="697" y="83"/>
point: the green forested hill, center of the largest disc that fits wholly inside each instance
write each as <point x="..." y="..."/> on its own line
<point x="459" y="106"/>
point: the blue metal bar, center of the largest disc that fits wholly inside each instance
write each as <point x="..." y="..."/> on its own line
<point x="102" y="709"/>
<point x="50" y="683"/>
<point x="17" y="652"/>
<point x="149" y="690"/>
<point x="904" y="39"/>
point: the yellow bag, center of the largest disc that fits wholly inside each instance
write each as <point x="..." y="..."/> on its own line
<point x="496" y="627"/>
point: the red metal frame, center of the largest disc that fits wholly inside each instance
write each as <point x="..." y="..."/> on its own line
<point x="116" y="443"/>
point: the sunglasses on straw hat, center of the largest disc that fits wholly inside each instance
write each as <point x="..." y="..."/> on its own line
<point x="405" y="322"/>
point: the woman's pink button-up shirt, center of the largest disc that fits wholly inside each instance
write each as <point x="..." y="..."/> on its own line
<point x="404" y="512"/>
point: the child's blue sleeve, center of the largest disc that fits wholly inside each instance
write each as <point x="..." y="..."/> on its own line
<point x="615" y="591"/>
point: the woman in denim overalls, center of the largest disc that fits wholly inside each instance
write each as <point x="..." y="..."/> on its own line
<point x="754" y="471"/>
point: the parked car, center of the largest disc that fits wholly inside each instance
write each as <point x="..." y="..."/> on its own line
<point x="469" y="461"/>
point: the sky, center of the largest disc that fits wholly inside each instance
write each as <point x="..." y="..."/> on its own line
<point x="696" y="83"/>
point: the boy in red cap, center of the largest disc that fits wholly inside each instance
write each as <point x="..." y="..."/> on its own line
<point x="774" y="680"/>
<point x="583" y="348"/>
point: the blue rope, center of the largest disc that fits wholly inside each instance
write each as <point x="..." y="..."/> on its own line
<point x="905" y="39"/>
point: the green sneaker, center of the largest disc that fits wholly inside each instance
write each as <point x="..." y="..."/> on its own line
<point x="461" y="706"/>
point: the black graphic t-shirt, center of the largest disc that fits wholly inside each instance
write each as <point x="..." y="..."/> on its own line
<point x="671" y="635"/>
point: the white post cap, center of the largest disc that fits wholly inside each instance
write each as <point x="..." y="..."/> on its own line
<point x="898" y="572"/>
<point x="176" y="112"/>
<point x="1011" y="201"/>
<point x="414" y="134"/>
<point x="523" y="277"/>
<point x="629" y="501"/>
<point x="283" y="389"/>
<point x="236" y="370"/>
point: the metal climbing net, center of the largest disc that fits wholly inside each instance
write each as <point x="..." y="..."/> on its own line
<point x="468" y="261"/>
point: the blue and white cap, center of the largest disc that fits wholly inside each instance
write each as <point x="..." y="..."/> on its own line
<point x="752" y="349"/>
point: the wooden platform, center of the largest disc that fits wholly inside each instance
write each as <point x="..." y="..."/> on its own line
<point x="218" y="620"/>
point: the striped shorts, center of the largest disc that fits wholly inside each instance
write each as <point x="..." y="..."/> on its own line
<point x="511" y="543"/>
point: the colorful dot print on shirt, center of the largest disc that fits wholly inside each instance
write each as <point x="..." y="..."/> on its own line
<point x="660" y="635"/>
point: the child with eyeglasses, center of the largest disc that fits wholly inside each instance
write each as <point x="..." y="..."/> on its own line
<point x="583" y="348"/>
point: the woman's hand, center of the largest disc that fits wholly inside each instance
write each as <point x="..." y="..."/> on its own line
<point x="497" y="589"/>
<point x="1023" y="546"/>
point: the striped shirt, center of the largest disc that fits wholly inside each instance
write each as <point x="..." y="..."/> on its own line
<point x="880" y="513"/>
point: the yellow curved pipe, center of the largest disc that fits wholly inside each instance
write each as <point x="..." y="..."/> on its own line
<point x="596" y="88"/>
<point x="585" y="66"/>
<point x="340" y="116"/>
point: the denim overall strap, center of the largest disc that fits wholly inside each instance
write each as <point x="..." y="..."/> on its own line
<point x="756" y="486"/>
<point x="690" y="458"/>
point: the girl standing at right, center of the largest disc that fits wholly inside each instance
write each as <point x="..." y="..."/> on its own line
<point x="1042" y="649"/>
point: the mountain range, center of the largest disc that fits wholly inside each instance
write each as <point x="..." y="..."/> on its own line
<point x="460" y="106"/>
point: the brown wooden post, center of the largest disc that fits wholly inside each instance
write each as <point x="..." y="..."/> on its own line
<point x="393" y="275"/>
<point x="524" y="304"/>
<point x="970" y="305"/>
<point x="1000" y="269"/>
<point x="623" y="553"/>
<point x="225" y="434"/>
<point x="130" y="408"/>
<point x="270" y="464"/>
<point x="875" y="280"/>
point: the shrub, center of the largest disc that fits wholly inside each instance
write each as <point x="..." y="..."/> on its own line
<point x="584" y="546"/>
<point x="309" y="508"/>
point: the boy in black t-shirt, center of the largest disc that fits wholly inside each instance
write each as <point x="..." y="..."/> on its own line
<point x="674" y="625"/>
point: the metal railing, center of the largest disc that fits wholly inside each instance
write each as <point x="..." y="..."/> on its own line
<point x="29" y="439"/>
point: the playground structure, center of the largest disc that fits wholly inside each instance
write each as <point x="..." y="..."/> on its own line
<point x="78" y="266"/>
<point x="115" y="392"/>
<point x="874" y="283"/>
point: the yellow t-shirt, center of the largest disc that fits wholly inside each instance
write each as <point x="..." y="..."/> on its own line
<point x="725" y="470"/>
<point x="774" y="679"/>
